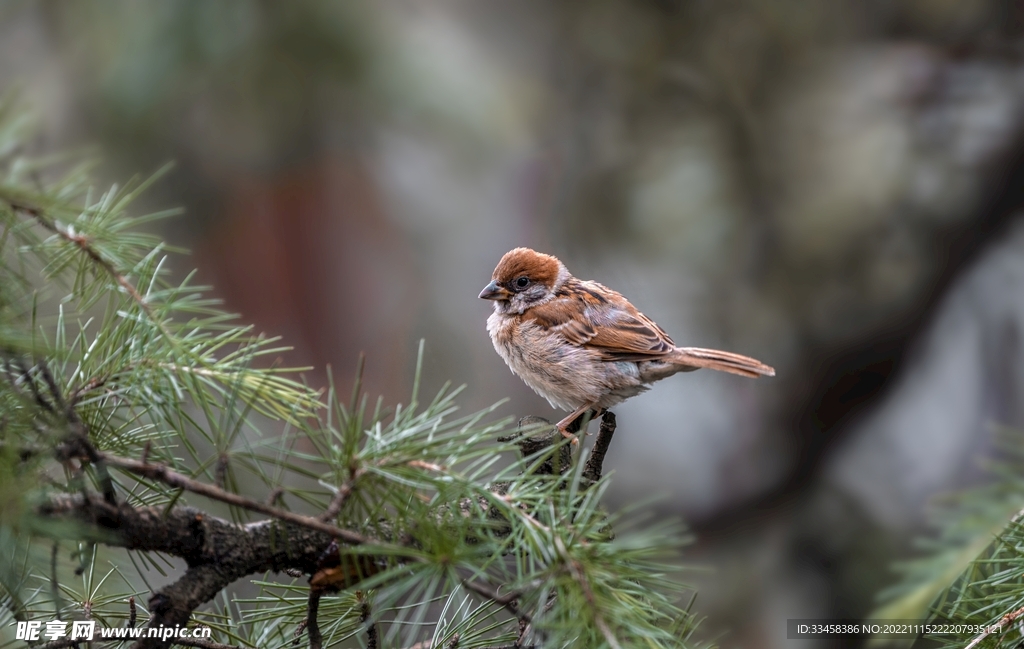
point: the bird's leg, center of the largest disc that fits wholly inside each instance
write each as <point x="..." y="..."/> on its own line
<point x="597" y="413"/>
<point x="563" y="425"/>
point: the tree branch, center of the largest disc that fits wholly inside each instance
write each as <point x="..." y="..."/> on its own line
<point x="509" y="601"/>
<point x="595" y="463"/>
<point x="344" y="491"/>
<point x="217" y="552"/>
<point x="366" y="617"/>
<point x="172" y="478"/>
<point x="588" y="594"/>
<point x="83" y="244"/>
<point x="1003" y="622"/>
<point x="316" y="640"/>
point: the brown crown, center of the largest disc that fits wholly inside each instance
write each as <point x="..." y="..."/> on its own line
<point x="521" y="262"/>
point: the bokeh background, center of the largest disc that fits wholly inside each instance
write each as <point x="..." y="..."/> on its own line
<point x="832" y="186"/>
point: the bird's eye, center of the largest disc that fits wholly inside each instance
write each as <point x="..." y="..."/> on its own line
<point x="522" y="282"/>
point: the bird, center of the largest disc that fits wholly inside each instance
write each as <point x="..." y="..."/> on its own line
<point x="581" y="345"/>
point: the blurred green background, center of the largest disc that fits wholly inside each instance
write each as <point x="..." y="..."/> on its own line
<point x="830" y="186"/>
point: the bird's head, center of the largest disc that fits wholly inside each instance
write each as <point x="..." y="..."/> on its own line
<point x="524" y="278"/>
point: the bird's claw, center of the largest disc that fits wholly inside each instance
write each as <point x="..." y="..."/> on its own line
<point x="566" y="434"/>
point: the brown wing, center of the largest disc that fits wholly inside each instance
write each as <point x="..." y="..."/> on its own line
<point x="590" y="315"/>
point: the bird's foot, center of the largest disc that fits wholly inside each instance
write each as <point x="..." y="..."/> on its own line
<point x="569" y="426"/>
<point x="569" y="435"/>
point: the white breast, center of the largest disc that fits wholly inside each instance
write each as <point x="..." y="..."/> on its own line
<point x="566" y="375"/>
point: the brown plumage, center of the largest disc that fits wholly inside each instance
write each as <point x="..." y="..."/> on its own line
<point x="581" y="345"/>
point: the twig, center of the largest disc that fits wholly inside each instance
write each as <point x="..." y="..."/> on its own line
<point x="544" y="436"/>
<point x="338" y="501"/>
<point x="525" y="628"/>
<point x="508" y="601"/>
<point x="220" y="473"/>
<point x="77" y="441"/>
<point x="132" y="612"/>
<point x="174" y="479"/>
<point x="58" y="602"/>
<point x="366" y="617"/>
<point x="92" y="384"/>
<point x="595" y="463"/>
<point x="83" y="244"/>
<point x="27" y="375"/>
<point x="51" y="385"/>
<point x="274" y="496"/>
<point x="300" y="628"/>
<point x="996" y="628"/>
<point x="316" y="641"/>
<point x="79" y="444"/>
<point x="588" y="594"/>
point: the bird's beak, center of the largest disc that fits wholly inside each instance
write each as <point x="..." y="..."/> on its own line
<point x="494" y="292"/>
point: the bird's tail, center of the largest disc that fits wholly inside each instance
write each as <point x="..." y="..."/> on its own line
<point x="714" y="359"/>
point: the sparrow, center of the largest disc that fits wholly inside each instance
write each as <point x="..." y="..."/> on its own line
<point x="581" y="345"/>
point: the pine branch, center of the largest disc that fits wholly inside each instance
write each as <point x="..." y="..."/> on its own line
<point x="595" y="463"/>
<point x="194" y="535"/>
<point x="83" y="244"/>
<point x="1003" y="622"/>
<point x="366" y="619"/>
<point x="342" y="495"/>
<point x="204" y="580"/>
<point x="174" y="479"/>
<point x="217" y="552"/>
<point x="588" y="593"/>
<point x="200" y="538"/>
<point x="316" y="640"/>
<point x="974" y="569"/>
<point x="76" y="440"/>
<point x="407" y="508"/>
<point x="508" y="601"/>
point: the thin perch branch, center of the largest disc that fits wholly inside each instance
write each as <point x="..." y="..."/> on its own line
<point x="316" y="640"/>
<point x="595" y="463"/>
